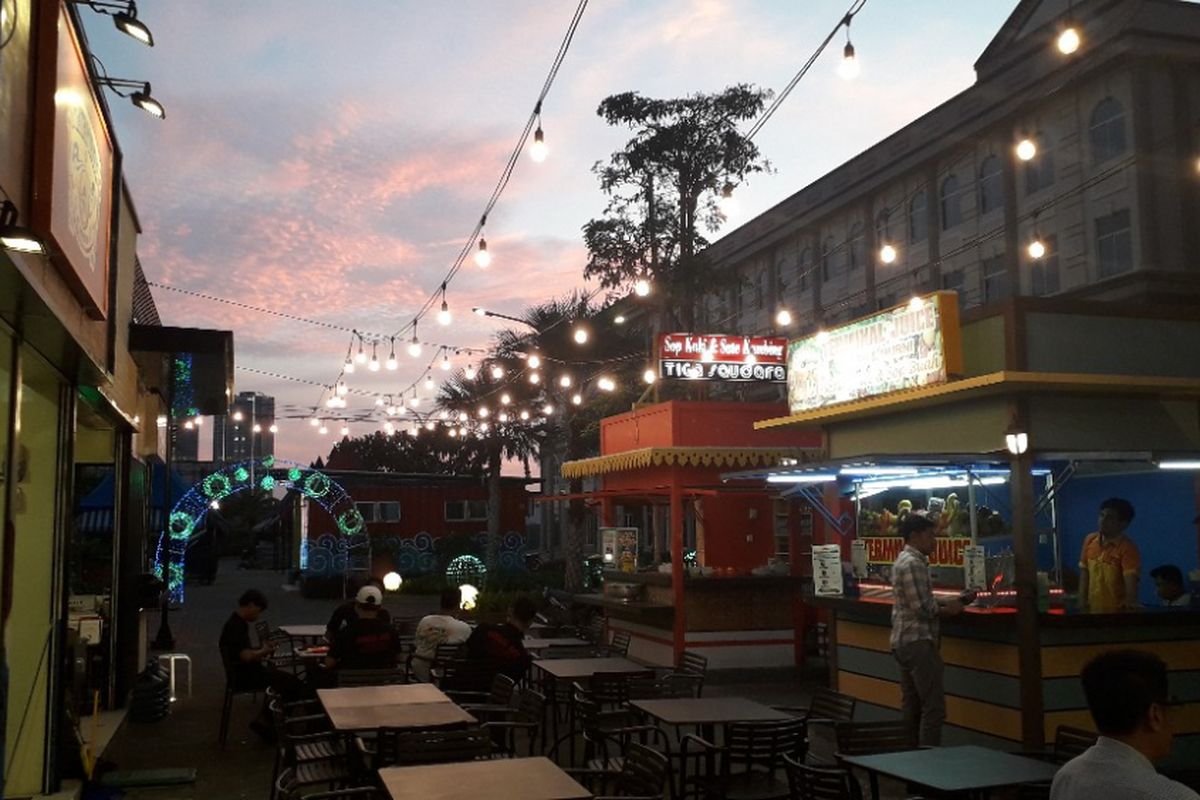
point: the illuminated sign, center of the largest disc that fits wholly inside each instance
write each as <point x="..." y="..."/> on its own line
<point x="948" y="552"/>
<point x="906" y="347"/>
<point x="717" y="357"/>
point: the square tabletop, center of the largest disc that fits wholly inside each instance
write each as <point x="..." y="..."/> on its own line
<point x="304" y="631"/>
<point x="558" y="641"/>
<point x="708" y="710"/>
<point x="498" y="779"/>
<point x="957" y="769"/>
<point x="572" y="668"/>
<point x="402" y="694"/>
<point x="405" y="715"/>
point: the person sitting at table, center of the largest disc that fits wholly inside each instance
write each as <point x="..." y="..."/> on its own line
<point x="343" y="614"/>
<point x="503" y="645"/>
<point x="438" y="629"/>
<point x="247" y="667"/>
<point x="367" y="641"/>
<point x="1126" y="693"/>
<point x="1168" y="584"/>
<point x="1109" y="561"/>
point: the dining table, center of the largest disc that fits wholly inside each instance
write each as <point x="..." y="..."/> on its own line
<point x="414" y="705"/>
<point x="969" y="771"/>
<point x="536" y="778"/>
<point x="706" y="713"/>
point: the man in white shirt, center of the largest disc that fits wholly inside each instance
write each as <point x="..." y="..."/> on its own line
<point x="1168" y="585"/>
<point x="1126" y="692"/>
<point x="438" y="629"/>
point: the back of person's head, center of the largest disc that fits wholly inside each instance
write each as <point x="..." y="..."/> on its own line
<point x="1120" y="687"/>
<point x="1119" y="506"/>
<point x="369" y="598"/>
<point x="914" y="523"/>
<point x="253" y="597"/>
<point x="1168" y="573"/>
<point x="451" y="599"/>
<point x="523" y="610"/>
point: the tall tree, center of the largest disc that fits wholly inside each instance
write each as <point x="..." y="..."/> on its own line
<point x="663" y="191"/>
<point x="396" y="453"/>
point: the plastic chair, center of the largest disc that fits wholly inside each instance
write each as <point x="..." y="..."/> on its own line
<point x="171" y="659"/>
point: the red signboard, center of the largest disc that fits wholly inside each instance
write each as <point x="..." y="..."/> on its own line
<point x="884" y="549"/>
<point x="721" y="357"/>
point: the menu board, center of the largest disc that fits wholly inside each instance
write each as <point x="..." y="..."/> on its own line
<point x="827" y="570"/>
<point x="858" y="558"/>
<point x="909" y="346"/>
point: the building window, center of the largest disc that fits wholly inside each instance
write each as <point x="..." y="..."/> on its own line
<point x="465" y="510"/>
<point x="991" y="185"/>
<point x="388" y="511"/>
<point x="827" y="259"/>
<point x="952" y="197"/>
<point x="1114" y="244"/>
<point x="760" y="299"/>
<point x="883" y="228"/>
<point x="1106" y="131"/>
<point x="367" y="510"/>
<point x="918" y="217"/>
<point x="1039" y="171"/>
<point x="1044" y="276"/>
<point x="952" y="281"/>
<point x="995" y="279"/>
<point x="806" y="264"/>
<point x="855" y="246"/>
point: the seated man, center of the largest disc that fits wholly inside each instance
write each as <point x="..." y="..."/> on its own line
<point x="1168" y="584"/>
<point x="503" y="645"/>
<point x="438" y="629"/>
<point x="244" y="663"/>
<point x="1126" y="692"/>
<point x="366" y="641"/>
<point x="343" y="614"/>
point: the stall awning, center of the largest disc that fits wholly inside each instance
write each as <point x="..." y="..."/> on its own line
<point x="743" y="457"/>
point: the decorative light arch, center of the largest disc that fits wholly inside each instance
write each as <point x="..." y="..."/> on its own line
<point x="268" y="474"/>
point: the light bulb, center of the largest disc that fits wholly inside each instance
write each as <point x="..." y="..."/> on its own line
<point x="606" y="384"/>
<point x="849" y="68"/>
<point x="483" y="427"/>
<point x="348" y="367"/>
<point x="443" y="316"/>
<point x="727" y="202"/>
<point x="345" y="430"/>
<point x="580" y="335"/>
<point x="619" y="319"/>
<point x="430" y="425"/>
<point x="648" y="376"/>
<point x="916" y="303"/>
<point x="429" y="383"/>
<point x="199" y="420"/>
<point x="1036" y="249"/>
<point x="547" y="409"/>
<point x="505" y="399"/>
<point x="314" y="422"/>
<point x="1068" y="41"/>
<point x="483" y="412"/>
<point x="389" y="428"/>
<point x="323" y="430"/>
<point x="443" y="414"/>
<point x="535" y="378"/>
<point x="538" y="150"/>
<point x="469" y="372"/>
<point x="215" y="505"/>
<point x="392" y="364"/>
<point x="577" y="399"/>
<point x="374" y="365"/>
<point x="503" y="417"/>
<point x="379" y="401"/>
<point x="257" y="428"/>
<point x="445" y="363"/>
<point x="274" y="428"/>
<point x="414" y="401"/>
<point x="462" y="432"/>
<point x="497" y="372"/>
<point x="189" y="425"/>
<point x="887" y="254"/>
<point x="641" y="287"/>
<point x="361" y="356"/>
<point x="462" y="416"/>
<point x="237" y="416"/>
<point x="331" y="402"/>
<point x="1026" y="149"/>
<point x="524" y="415"/>
<point x="453" y="433"/>
<point x="413" y="431"/>
<point x="535" y="361"/>
<point x="392" y="581"/>
<point x="391" y="411"/>
<point x="565" y="381"/>
<point x="783" y="318"/>
<point x="342" y="389"/>
<point x="482" y="257"/>
<point x="414" y="347"/>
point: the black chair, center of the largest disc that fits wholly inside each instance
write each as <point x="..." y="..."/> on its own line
<point x="528" y="715"/>
<point x="611" y="689"/>
<point x="597" y="630"/>
<point x="693" y="667"/>
<point x="407" y="747"/>
<point x="465" y="680"/>
<point x="263" y="629"/>
<point x="671" y="685"/>
<point x="1070" y="742"/>
<point x="286" y="787"/>
<point x="619" y="646"/>
<point x="871" y="738"/>
<point x="820" y="783"/>
<point x="826" y="705"/>
<point x="231" y="690"/>
<point x="499" y="701"/>
<point x="371" y="677"/>
<point x="644" y="775"/>
<point x="310" y="759"/>
<point x="748" y="765"/>
<point x="296" y="718"/>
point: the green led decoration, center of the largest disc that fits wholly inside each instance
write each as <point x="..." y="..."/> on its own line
<point x="267" y="483"/>
<point x="350" y="522"/>
<point x="216" y="486"/>
<point x="294" y="474"/>
<point x="241" y="474"/>
<point x="466" y="569"/>
<point x="181" y="524"/>
<point x="268" y="462"/>
<point x="316" y="485"/>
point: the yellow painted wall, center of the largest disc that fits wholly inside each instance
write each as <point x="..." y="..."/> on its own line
<point x="93" y="446"/>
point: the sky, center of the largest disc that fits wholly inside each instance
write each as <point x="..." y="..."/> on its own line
<point x="329" y="160"/>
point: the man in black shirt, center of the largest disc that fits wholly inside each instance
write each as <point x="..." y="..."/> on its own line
<point x="367" y="641"/>
<point x="503" y="646"/>
<point x="244" y="663"/>
<point x="343" y="614"/>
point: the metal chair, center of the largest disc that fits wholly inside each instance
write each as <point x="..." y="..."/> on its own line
<point x="465" y="680"/>
<point x="407" y="747"/>
<point x="231" y="690"/>
<point x="527" y="715"/>
<point x="1070" y="742"/>
<point x="871" y="738"/>
<point x="644" y="775"/>
<point x="303" y="737"/>
<point x="371" y="677"/>
<point x="498" y="702"/>
<point x="619" y="646"/>
<point x="286" y="787"/>
<point x="749" y="764"/>
<point x="693" y="666"/>
<point x="826" y="705"/>
<point x="819" y="783"/>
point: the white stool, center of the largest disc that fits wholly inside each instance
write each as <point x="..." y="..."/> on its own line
<point x="171" y="658"/>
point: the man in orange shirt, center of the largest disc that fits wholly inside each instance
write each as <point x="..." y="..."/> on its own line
<point x="1110" y="562"/>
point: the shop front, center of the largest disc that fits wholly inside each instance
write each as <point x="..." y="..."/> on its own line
<point x="1010" y="431"/>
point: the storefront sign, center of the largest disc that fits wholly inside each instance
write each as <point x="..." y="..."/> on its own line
<point x="910" y="346"/>
<point x="73" y="162"/>
<point x="948" y="552"/>
<point x="717" y="357"/>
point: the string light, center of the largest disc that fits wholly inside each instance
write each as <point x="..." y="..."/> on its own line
<point x="641" y="287"/>
<point x="414" y="401"/>
<point x="1036" y="248"/>
<point x="444" y="414"/>
<point x="1026" y="149"/>
<point x="727" y="202"/>
<point x="648" y="376"/>
<point x="348" y="367"/>
<point x="538" y="150"/>
<point x="849" y="68"/>
<point x="535" y="361"/>
<point x="323" y="430"/>
<point x="469" y="372"/>
<point x="374" y="365"/>
<point x="497" y="372"/>
<point x="887" y="254"/>
<point x="237" y="416"/>
<point x="453" y="432"/>
<point x="430" y="425"/>
<point x="361" y="356"/>
<point x="391" y="411"/>
<point x="389" y="428"/>
<point x="524" y="415"/>
<point x="257" y="428"/>
<point x="619" y="319"/>
<point x="565" y="381"/>
<point x="345" y="430"/>
<point x="414" y="347"/>
<point x="482" y="257"/>
<point x="462" y="416"/>
<point x="580" y="335"/>
<point x="392" y="364"/>
<point x="1069" y="40"/>
<point x="503" y="416"/>
<point x="414" y="431"/>
<point x="535" y="378"/>
<point x="505" y="399"/>
<point x="445" y="361"/>
<point x="483" y="412"/>
<point x="314" y="422"/>
<point x="443" y="315"/>
<point x="547" y="409"/>
<point x="783" y="318"/>
<point x="483" y="427"/>
<point x="342" y="389"/>
<point x="577" y="399"/>
<point x="274" y="428"/>
<point x="606" y="384"/>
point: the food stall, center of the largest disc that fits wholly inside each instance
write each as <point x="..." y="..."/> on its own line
<point x="712" y="571"/>
<point x="1008" y="430"/>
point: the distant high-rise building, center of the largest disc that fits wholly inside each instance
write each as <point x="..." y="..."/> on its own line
<point x="185" y="442"/>
<point x="234" y="436"/>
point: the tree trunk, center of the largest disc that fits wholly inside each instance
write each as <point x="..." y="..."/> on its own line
<point x="492" y="558"/>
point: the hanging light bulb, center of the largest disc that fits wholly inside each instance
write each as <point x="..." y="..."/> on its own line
<point x="538" y="150"/>
<point x="483" y="412"/>
<point x="237" y="416"/>
<point x="503" y="417"/>
<point x="443" y="316"/>
<point x="887" y="254"/>
<point x="443" y="414"/>
<point x="535" y="361"/>
<point x="392" y="363"/>
<point x="469" y="372"/>
<point x="482" y="257"/>
<point x="619" y="319"/>
<point x="331" y="402"/>
<point x="648" y="376"/>
<point x="345" y="430"/>
<point x="577" y="399"/>
<point x="580" y="335"/>
<point x="430" y="425"/>
<point x="314" y="422"/>
<point x="535" y="378"/>
<point x="1036" y="248"/>
<point x="414" y="347"/>
<point x="199" y="420"/>
<point x="524" y="414"/>
<point x="453" y="433"/>
<point x="348" y="367"/>
<point x="1026" y="149"/>
<point x="547" y="409"/>
<point x="361" y="356"/>
<point x="462" y="416"/>
<point x="916" y="303"/>
<point x="389" y="428"/>
<point x="565" y="381"/>
<point x="379" y="400"/>
<point x="414" y="401"/>
<point x="497" y="372"/>
<point x="274" y="428"/>
<point x="606" y="384"/>
<point x="374" y="364"/>
<point x="1069" y="40"/>
<point x="462" y="433"/>
<point x="391" y="411"/>
<point x="323" y="430"/>
<point x="342" y="389"/>
<point x="188" y="425"/>
<point x="849" y="68"/>
<point x="783" y="318"/>
<point x="505" y="399"/>
<point x="445" y="362"/>
<point x="483" y="427"/>
<point x="414" y="431"/>
<point x="429" y="383"/>
<point x="641" y="287"/>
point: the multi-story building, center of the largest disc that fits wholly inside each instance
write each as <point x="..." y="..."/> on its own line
<point x="248" y="431"/>
<point x="1111" y="193"/>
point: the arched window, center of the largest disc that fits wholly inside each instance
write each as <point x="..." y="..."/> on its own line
<point x="991" y="185"/>
<point x="1106" y="131"/>
<point x="827" y="259"/>
<point x="951" y="202"/>
<point x="855" y="245"/>
<point x="918" y="217"/>
<point x="806" y="265"/>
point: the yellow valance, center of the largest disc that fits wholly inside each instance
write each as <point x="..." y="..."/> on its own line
<point x="684" y="457"/>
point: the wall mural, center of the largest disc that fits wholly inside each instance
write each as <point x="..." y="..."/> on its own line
<point x="412" y="555"/>
<point x="334" y="556"/>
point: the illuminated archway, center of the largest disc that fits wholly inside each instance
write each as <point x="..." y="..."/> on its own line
<point x="267" y="474"/>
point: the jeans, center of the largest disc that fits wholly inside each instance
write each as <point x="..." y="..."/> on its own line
<point x="922" y="695"/>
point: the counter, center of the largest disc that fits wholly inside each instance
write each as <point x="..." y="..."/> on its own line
<point x="986" y="695"/>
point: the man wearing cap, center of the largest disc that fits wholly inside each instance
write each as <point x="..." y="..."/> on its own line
<point x="366" y="641"/>
<point x="343" y="614"/>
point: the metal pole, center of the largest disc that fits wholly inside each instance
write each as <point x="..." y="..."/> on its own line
<point x="164" y="640"/>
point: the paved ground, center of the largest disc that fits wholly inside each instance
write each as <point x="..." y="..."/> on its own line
<point x="188" y="737"/>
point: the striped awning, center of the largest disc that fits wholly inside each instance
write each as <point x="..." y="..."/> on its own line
<point x="741" y="457"/>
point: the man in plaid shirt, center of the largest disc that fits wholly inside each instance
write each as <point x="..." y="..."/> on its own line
<point x="915" y="615"/>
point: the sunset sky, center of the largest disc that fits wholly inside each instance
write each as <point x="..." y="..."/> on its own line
<point x="329" y="160"/>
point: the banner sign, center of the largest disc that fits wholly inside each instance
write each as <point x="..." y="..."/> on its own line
<point x="719" y="357"/>
<point x="909" y="346"/>
<point x="947" y="553"/>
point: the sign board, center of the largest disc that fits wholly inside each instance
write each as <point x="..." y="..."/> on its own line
<point x="948" y="552"/>
<point x="858" y="558"/>
<point x="906" y="347"/>
<point x="827" y="570"/>
<point x="975" y="566"/>
<point x="720" y="357"/>
<point x="619" y="548"/>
